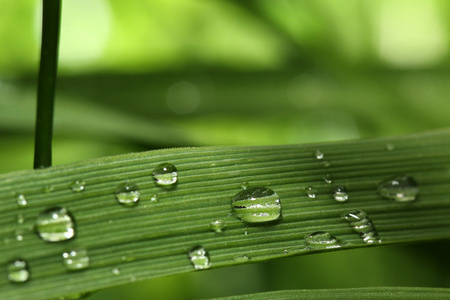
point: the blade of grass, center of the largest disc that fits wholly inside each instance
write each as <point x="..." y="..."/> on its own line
<point x="51" y="19"/>
<point x="397" y="293"/>
<point x="152" y="239"/>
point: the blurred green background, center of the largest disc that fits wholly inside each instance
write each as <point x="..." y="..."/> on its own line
<point x="147" y="74"/>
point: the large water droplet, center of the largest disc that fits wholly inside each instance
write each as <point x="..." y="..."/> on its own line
<point x="400" y="189"/>
<point x="322" y="240"/>
<point x="78" y="186"/>
<point x="127" y="194"/>
<point x="17" y="271"/>
<point x="256" y="205"/>
<point x="76" y="259"/>
<point x="21" y="201"/>
<point x="199" y="258"/>
<point x="311" y="192"/>
<point x="55" y="225"/>
<point x="340" y="193"/>
<point x="361" y="223"/>
<point x="217" y="225"/>
<point x="165" y="174"/>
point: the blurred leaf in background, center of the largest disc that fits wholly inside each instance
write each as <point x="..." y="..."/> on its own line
<point x="139" y="75"/>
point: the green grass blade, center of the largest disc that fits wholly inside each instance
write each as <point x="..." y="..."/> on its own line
<point x="152" y="239"/>
<point x="397" y="293"/>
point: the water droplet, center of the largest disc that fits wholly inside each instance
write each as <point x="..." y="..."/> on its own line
<point x="19" y="235"/>
<point x="326" y="163"/>
<point x="199" y="258"/>
<point x="116" y="271"/>
<point x="55" y="225"/>
<point x="361" y="223"/>
<point x="318" y="154"/>
<point x="340" y="193"/>
<point x="154" y="198"/>
<point x="400" y="189"/>
<point x="311" y="192"/>
<point x="76" y="259"/>
<point x="245" y="231"/>
<point x="256" y="205"/>
<point x="390" y="147"/>
<point x="48" y="189"/>
<point x="17" y="271"/>
<point x="241" y="258"/>
<point x="20" y="219"/>
<point x="165" y="174"/>
<point x="322" y="240"/>
<point x="127" y="194"/>
<point x="21" y="201"/>
<point x="245" y="185"/>
<point x="78" y="186"/>
<point x="328" y="178"/>
<point x="72" y="296"/>
<point x="217" y="225"/>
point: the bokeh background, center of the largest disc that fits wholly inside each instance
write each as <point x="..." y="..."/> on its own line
<point x="138" y="75"/>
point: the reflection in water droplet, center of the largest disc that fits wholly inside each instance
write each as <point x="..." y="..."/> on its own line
<point x="116" y="271"/>
<point x="199" y="258"/>
<point x="241" y="258"/>
<point x="318" y="154"/>
<point x="361" y="223"/>
<point x="328" y="178"/>
<point x="17" y="271"/>
<point x="311" y="192"/>
<point x="322" y="240"/>
<point x="399" y="189"/>
<point x="55" y="225"/>
<point x="340" y="193"/>
<point x="256" y="205"/>
<point x="217" y="225"/>
<point x="165" y="174"/>
<point x="78" y="186"/>
<point x="21" y="201"/>
<point x="76" y="259"/>
<point x="127" y="194"/>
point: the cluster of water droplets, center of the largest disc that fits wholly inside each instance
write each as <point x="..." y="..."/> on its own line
<point x="361" y="223"/>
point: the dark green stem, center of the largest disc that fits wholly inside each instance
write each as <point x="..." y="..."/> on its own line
<point x="51" y="19"/>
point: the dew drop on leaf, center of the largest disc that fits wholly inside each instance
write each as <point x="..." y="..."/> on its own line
<point x="311" y="192"/>
<point x="55" y="225"/>
<point x="76" y="259"/>
<point x="217" y="225"/>
<point x="399" y="189"/>
<point x="340" y="194"/>
<point x="318" y="154"/>
<point x="256" y="205"/>
<point x="78" y="186"/>
<point x="115" y="271"/>
<point x="322" y="240"/>
<point x="127" y="194"/>
<point x="17" y="271"/>
<point x="21" y="201"/>
<point x="361" y="223"/>
<point x="199" y="258"/>
<point x="165" y="174"/>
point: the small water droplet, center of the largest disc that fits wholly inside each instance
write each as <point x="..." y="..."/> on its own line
<point x="78" y="186"/>
<point x="55" y="225"/>
<point x="326" y="163"/>
<point x="318" y="154"/>
<point x="245" y="185"/>
<point x="361" y="223"/>
<point x="17" y="271"/>
<point x="72" y="296"/>
<point x="399" y="189"/>
<point x="311" y="192"/>
<point x="217" y="225"/>
<point x="328" y="178"/>
<point x="322" y="240"/>
<point x="340" y="193"/>
<point x="165" y="174"/>
<point x="48" y="189"/>
<point x="256" y="205"/>
<point x="154" y="198"/>
<point x="116" y="271"/>
<point x="245" y="231"/>
<point x="390" y="147"/>
<point x="76" y="259"/>
<point x="127" y="194"/>
<point x="20" y="219"/>
<point x="285" y="251"/>
<point x="128" y="258"/>
<point x="241" y="258"/>
<point x="19" y="235"/>
<point x="21" y="201"/>
<point x="199" y="258"/>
